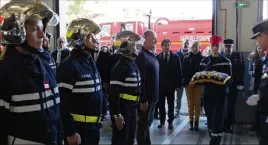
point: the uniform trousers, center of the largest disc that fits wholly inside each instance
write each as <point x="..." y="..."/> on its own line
<point x="231" y="102"/>
<point x="194" y="93"/>
<point x="215" y="110"/>
<point x="89" y="133"/>
<point x="126" y="136"/>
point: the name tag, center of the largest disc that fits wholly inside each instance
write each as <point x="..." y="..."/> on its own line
<point x="85" y="76"/>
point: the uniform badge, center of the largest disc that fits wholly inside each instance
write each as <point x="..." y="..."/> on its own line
<point x="46" y="85"/>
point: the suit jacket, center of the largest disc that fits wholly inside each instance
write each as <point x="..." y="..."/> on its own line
<point x="170" y="74"/>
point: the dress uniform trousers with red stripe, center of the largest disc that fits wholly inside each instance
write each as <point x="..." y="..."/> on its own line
<point x="123" y="100"/>
<point x="81" y="96"/>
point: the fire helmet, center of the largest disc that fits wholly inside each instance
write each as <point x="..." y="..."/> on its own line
<point x="127" y="43"/>
<point x="16" y="12"/>
<point x="79" y="29"/>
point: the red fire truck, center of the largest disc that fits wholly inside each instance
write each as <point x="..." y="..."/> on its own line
<point x="175" y="30"/>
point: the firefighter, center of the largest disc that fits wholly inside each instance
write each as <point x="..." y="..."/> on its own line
<point x="29" y="103"/>
<point x="260" y="32"/>
<point x="214" y="95"/>
<point x="194" y="92"/>
<point x="237" y="82"/>
<point x="125" y="89"/>
<point x="80" y="86"/>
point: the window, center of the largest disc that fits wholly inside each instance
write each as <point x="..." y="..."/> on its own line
<point x="162" y="22"/>
<point x="265" y="9"/>
<point x="129" y="27"/>
<point x="106" y="29"/>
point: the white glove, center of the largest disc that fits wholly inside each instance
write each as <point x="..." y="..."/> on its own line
<point x="253" y="100"/>
<point x="240" y="88"/>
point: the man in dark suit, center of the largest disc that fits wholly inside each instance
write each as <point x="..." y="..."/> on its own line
<point x="170" y="79"/>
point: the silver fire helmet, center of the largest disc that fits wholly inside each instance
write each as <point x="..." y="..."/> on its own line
<point x="127" y="43"/>
<point x="79" y="29"/>
<point x="16" y="12"/>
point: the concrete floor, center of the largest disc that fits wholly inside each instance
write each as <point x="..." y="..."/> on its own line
<point x="181" y="135"/>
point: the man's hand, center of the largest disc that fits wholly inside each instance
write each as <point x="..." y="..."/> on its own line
<point x="106" y="86"/>
<point x="240" y="88"/>
<point x="74" y="139"/>
<point x="253" y="100"/>
<point x="119" y="121"/>
<point x="144" y="106"/>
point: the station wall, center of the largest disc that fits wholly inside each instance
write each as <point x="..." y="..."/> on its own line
<point x="226" y="27"/>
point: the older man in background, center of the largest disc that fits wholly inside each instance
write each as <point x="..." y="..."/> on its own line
<point x="61" y="52"/>
<point x="182" y="53"/>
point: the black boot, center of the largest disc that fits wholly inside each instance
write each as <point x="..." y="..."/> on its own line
<point x="196" y="124"/>
<point x="191" y="125"/>
<point x="215" y="140"/>
<point x="161" y="124"/>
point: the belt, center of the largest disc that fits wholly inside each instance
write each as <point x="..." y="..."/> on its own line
<point x="86" y="119"/>
<point x="129" y="97"/>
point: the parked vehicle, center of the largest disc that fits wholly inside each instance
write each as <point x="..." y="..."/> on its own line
<point x="175" y="30"/>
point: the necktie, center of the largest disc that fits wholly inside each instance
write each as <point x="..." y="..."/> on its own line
<point x="166" y="58"/>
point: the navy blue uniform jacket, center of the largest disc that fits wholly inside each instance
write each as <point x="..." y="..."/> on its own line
<point x="80" y="89"/>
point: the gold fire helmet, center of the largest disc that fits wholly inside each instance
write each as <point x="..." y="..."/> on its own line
<point x="79" y="29"/>
<point x="127" y="43"/>
<point x="16" y="12"/>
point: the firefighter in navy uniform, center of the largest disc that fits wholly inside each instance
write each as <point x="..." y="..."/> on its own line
<point x="214" y="95"/>
<point x="125" y="89"/>
<point x="260" y="32"/>
<point x="80" y="86"/>
<point x="29" y="99"/>
<point x="237" y="82"/>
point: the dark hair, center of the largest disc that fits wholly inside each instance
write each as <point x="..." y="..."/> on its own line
<point x="257" y="55"/>
<point x="165" y="41"/>
<point x="31" y="19"/>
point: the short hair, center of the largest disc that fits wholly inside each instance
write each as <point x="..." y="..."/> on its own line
<point x="31" y="19"/>
<point x="195" y="43"/>
<point x="147" y="32"/>
<point x="165" y="41"/>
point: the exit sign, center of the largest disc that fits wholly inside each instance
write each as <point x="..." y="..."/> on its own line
<point x="241" y="4"/>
